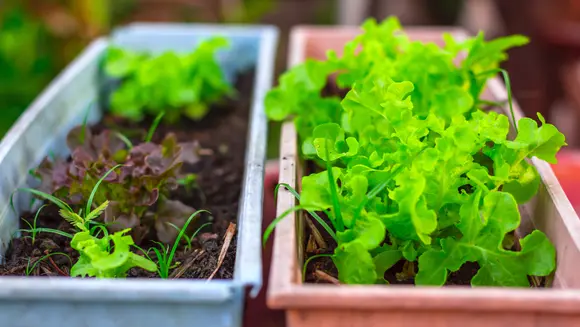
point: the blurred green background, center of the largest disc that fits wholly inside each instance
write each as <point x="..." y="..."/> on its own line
<point x="38" y="38"/>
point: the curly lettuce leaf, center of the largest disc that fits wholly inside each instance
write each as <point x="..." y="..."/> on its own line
<point x="97" y="260"/>
<point x="483" y="232"/>
<point x="413" y="220"/>
<point x="330" y="144"/>
<point x="177" y="84"/>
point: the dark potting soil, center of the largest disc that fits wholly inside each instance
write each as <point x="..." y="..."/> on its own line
<point x="222" y="135"/>
<point x="402" y="273"/>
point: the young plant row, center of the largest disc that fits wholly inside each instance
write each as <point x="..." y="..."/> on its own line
<point x="117" y="195"/>
<point x="413" y="166"/>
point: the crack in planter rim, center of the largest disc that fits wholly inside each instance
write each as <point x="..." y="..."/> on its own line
<point x="247" y="271"/>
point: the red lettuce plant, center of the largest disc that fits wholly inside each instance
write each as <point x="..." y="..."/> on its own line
<point x="137" y="190"/>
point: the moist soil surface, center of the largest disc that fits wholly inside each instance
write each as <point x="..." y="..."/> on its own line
<point x="322" y="270"/>
<point x="222" y="135"/>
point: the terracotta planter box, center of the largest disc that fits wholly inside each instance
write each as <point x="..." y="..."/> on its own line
<point x="379" y="305"/>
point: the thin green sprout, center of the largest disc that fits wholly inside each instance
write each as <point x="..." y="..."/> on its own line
<point x="508" y="85"/>
<point x="95" y="188"/>
<point x="165" y="259"/>
<point x="154" y="126"/>
<point x="99" y="228"/>
<point x="124" y="139"/>
<point x="58" y="202"/>
<point x="189" y="239"/>
<point x="30" y="269"/>
<point x="62" y="205"/>
<point x="85" y="120"/>
<point x="32" y="226"/>
<point x="39" y="230"/>
<point x="273" y="224"/>
<point x="310" y="212"/>
<point x="333" y="191"/>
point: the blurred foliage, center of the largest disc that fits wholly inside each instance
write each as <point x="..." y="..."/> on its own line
<point x="245" y="11"/>
<point x="37" y="39"/>
<point x="24" y="63"/>
<point x="445" y="12"/>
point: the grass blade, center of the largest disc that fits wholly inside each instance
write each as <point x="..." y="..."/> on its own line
<point x="94" y="191"/>
<point x="85" y="120"/>
<point x="333" y="192"/>
<point x="198" y="230"/>
<point x="187" y="239"/>
<point x="275" y="222"/>
<point x="154" y="126"/>
<point x="58" y="202"/>
<point x="287" y="187"/>
<point x="162" y="267"/>
<point x="508" y="86"/>
<point x="30" y="269"/>
<point x="124" y="139"/>
<point x="102" y="229"/>
<point x="53" y="231"/>
<point x="297" y="196"/>
<point x="181" y="232"/>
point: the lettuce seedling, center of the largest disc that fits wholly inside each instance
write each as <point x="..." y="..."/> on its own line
<point x="99" y="259"/>
<point x="413" y="168"/>
<point x="96" y="259"/>
<point x="139" y="177"/>
<point x="179" y="85"/>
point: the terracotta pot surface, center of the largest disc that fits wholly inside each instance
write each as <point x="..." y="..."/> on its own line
<point x="567" y="170"/>
<point x="380" y="305"/>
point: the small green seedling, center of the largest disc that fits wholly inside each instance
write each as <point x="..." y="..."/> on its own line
<point x="96" y="259"/>
<point x="189" y="239"/>
<point x="30" y="268"/>
<point x="154" y="126"/>
<point x="77" y="220"/>
<point x="33" y="230"/>
<point x="165" y="255"/>
<point x="189" y="182"/>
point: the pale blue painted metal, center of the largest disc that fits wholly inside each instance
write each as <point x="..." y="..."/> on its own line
<point x="30" y="301"/>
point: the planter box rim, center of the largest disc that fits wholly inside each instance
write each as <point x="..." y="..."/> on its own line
<point x="353" y="29"/>
<point x="364" y="297"/>
<point x="228" y="30"/>
<point x="116" y="290"/>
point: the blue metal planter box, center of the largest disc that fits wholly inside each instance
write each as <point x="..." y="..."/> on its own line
<point x="61" y="301"/>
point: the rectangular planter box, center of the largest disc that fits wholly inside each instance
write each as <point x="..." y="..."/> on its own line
<point x="378" y="305"/>
<point x="39" y="301"/>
